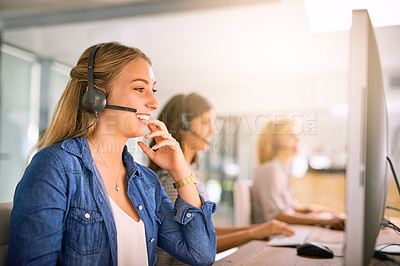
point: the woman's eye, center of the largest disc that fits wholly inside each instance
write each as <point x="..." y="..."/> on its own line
<point x="139" y="89"/>
<point x="154" y="90"/>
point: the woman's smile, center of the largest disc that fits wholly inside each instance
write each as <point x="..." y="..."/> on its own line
<point x="143" y="118"/>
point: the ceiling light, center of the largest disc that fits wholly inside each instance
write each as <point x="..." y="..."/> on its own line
<point x="336" y="15"/>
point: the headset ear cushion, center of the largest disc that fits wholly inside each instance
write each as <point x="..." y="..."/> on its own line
<point x="276" y="144"/>
<point x="184" y="123"/>
<point x="99" y="103"/>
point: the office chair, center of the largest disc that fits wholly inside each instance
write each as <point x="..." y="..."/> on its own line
<point x="5" y="213"/>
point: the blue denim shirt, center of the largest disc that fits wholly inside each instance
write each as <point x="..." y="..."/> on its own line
<point x="61" y="213"/>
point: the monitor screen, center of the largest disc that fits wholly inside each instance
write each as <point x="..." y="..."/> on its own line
<point x="366" y="177"/>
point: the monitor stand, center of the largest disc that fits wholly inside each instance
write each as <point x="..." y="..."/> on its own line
<point x="392" y="165"/>
<point x="390" y="249"/>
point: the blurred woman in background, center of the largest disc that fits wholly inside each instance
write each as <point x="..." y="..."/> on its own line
<point x="271" y="195"/>
<point x="190" y="120"/>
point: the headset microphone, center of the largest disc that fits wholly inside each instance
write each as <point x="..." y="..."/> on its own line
<point x="116" y="107"/>
<point x="199" y="136"/>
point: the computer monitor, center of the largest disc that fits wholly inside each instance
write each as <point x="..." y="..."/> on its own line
<point x="366" y="172"/>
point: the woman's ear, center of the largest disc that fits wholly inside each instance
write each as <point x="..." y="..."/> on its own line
<point x="97" y="87"/>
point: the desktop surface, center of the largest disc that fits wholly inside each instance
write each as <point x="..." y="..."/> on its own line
<point x="257" y="252"/>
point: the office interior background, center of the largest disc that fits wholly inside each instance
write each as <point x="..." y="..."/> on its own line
<point x="254" y="60"/>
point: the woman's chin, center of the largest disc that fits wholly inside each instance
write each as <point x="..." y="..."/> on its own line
<point x="139" y="132"/>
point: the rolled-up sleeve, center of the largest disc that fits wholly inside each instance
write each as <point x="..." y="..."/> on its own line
<point x="188" y="233"/>
<point x="185" y="212"/>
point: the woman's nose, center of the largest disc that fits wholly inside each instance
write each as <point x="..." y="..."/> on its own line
<point x="153" y="103"/>
<point x="212" y="129"/>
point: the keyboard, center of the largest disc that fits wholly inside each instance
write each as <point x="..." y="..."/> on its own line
<point x="288" y="241"/>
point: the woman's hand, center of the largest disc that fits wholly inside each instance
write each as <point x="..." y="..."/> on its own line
<point x="334" y="222"/>
<point x="323" y="209"/>
<point x="274" y="227"/>
<point x="329" y="220"/>
<point x="312" y="208"/>
<point x="167" y="152"/>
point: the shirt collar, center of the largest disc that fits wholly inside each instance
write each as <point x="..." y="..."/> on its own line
<point x="80" y="148"/>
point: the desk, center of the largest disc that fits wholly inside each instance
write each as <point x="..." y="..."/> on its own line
<point x="311" y="189"/>
<point x="258" y="252"/>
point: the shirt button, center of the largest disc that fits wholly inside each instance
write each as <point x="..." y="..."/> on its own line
<point x="188" y="215"/>
<point x="87" y="215"/>
<point x="140" y="207"/>
<point x="152" y="240"/>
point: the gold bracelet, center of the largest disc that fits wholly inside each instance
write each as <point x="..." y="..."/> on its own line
<point x="186" y="181"/>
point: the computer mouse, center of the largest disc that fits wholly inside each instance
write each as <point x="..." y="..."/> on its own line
<point x="314" y="249"/>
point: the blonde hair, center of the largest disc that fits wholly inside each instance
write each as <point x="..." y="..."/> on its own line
<point x="69" y="116"/>
<point x="267" y="144"/>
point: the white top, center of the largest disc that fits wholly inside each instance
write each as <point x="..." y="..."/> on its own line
<point x="131" y="239"/>
<point x="270" y="192"/>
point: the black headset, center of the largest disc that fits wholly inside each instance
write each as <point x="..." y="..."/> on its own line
<point x="184" y="123"/>
<point x="275" y="143"/>
<point x="94" y="100"/>
<point x="278" y="146"/>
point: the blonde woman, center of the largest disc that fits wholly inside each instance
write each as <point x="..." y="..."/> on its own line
<point x="190" y="119"/>
<point x="271" y="196"/>
<point x="83" y="200"/>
